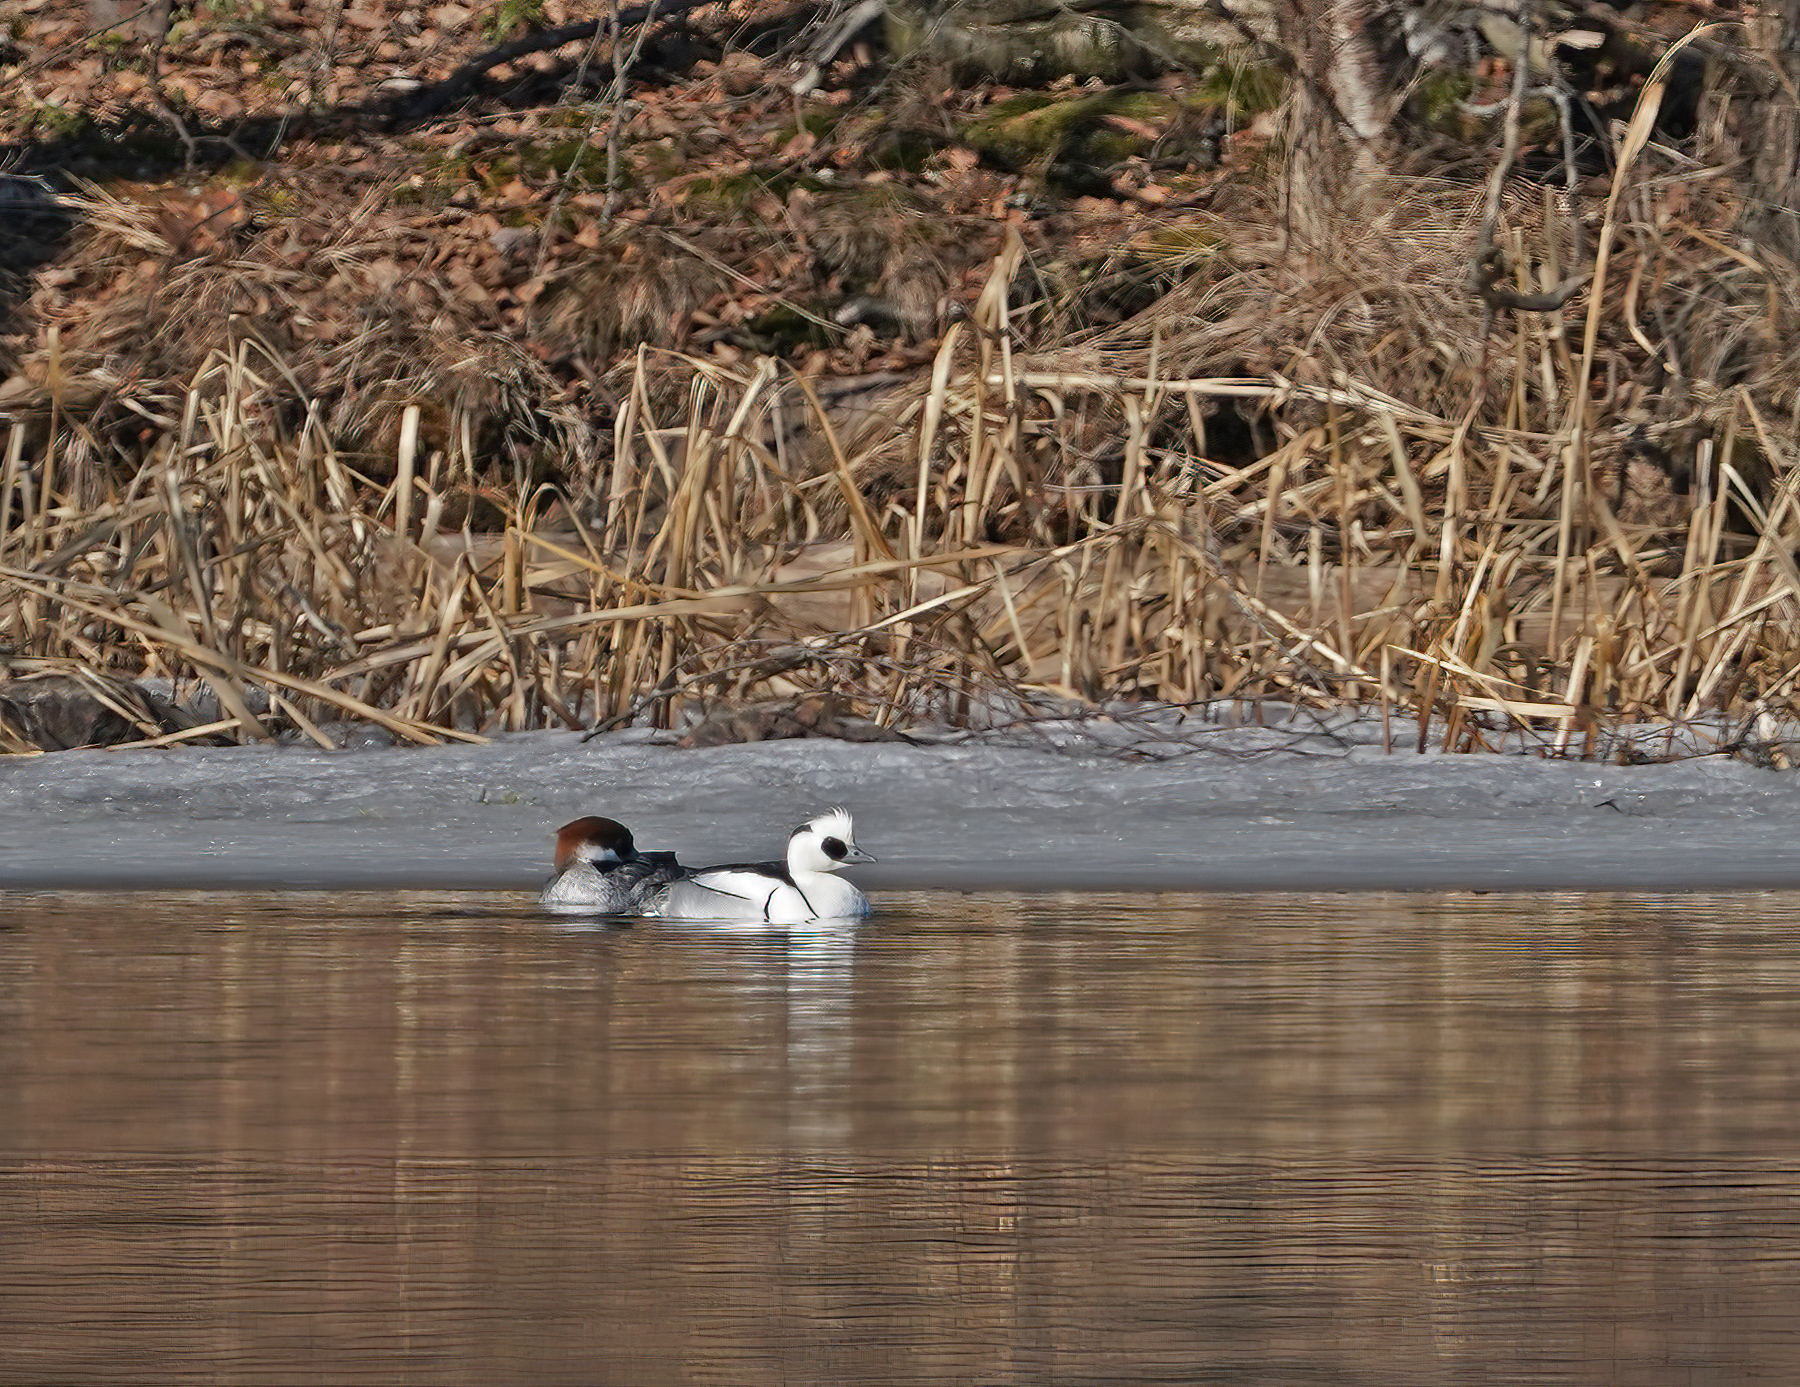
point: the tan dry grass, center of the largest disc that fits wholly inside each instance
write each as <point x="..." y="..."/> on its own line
<point x="1442" y="520"/>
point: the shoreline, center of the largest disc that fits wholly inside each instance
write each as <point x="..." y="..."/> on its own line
<point x="993" y="814"/>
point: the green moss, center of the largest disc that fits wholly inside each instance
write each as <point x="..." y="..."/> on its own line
<point x="1023" y="129"/>
<point x="904" y="33"/>
<point x="233" y="11"/>
<point x="282" y="199"/>
<point x="1179" y="243"/>
<point x="821" y="121"/>
<point x="238" y="173"/>
<point x="510" y="17"/>
<point x="1437" y="99"/>
<point x="733" y="195"/>
<point x="1240" y="88"/>
<point x="59" y="122"/>
<point x="724" y="196"/>
<point x="1035" y="127"/>
<point x="579" y="163"/>
<point x="566" y="149"/>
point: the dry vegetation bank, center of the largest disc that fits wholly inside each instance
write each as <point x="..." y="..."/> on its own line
<point x="916" y="392"/>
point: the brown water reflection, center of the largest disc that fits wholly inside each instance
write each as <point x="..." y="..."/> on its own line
<point x="1380" y="1140"/>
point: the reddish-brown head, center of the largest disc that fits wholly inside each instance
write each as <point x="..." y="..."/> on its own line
<point x="603" y="842"/>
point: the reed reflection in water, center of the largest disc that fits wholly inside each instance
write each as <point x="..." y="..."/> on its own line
<point x="1378" y="1139"/>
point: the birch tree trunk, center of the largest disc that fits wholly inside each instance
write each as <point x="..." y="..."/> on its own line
<point x="1772" y="134"/>
<point x="1339" y="114"/>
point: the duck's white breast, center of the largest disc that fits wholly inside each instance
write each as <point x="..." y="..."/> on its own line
<point x="751" y="895"/>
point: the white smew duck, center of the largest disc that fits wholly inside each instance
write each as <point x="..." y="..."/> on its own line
<point x="793" y="892"/>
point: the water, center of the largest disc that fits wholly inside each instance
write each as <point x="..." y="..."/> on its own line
<point x="1379" y="1139"/>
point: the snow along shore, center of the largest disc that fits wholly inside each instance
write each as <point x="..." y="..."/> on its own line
<point x="1161" y="803"/>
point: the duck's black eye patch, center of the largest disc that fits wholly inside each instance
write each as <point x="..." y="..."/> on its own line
<point x="835" y="849"/>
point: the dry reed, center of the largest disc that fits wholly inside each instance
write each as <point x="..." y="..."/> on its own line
<point x="1449" y="519"/>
